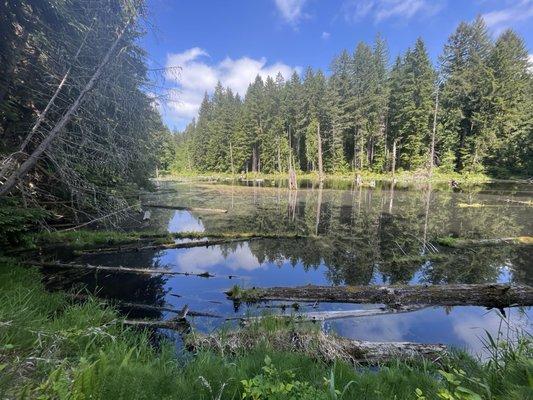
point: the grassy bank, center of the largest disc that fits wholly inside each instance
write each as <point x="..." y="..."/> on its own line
<point x="51" y="348"/>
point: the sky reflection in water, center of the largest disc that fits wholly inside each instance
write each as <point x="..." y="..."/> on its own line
<point x="364" y="237"/>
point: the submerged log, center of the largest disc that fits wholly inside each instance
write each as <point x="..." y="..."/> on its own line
<point x="148" y="307"/>
<point x="175" y="325"/>
<point x="487" y="295"/>
<point x="322" y="316"/>
<point x="315" y="344"/>
<point x="182" y="208"/>
<point x="166" y="246"/>
<point x="190" y="313"/>
<point x="119" y="269"/>
<point x="341" y="314"/>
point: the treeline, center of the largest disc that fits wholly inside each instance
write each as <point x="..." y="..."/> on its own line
<point x="472" y="114"/>
<point x="77" y="129"/>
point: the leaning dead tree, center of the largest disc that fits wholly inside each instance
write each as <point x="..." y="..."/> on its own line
<point x="487" y="295"/>
<point x="12" y="180"/>
<point x="86" y="133"/>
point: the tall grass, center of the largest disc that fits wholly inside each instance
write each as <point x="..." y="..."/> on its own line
<point x="51" y="348"/>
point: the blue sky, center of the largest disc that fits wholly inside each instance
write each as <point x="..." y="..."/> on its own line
<point x="234" y="40"/>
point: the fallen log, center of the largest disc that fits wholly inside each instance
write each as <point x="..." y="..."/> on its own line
<point x="527" y="203"/>
<point x="119" y="269"/>
<point x="322" y="316"/>
<point x="165" y="246"/>
<point x="462" y="243"/>
<point x="175" y="325"/>
<point x="182" y="208"/>
<point x="315" y="344"/>
<point x="149" y="307"/>
<point x="487" y="295"/>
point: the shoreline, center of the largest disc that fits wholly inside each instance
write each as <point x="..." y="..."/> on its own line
<point x="367" y="178"/>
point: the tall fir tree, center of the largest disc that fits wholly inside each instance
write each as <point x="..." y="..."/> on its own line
<point x="467" y="85"/>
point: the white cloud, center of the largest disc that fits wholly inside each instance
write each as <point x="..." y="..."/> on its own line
<point x="326" y="35"/>
<point x="381" y="10"/>
<point x="530" y="59"/>
<point x="198" y="75"/>
<point x="516" y="11"/>
<point x="291" y="10"/>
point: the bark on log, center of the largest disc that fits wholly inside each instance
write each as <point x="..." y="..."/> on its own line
<point x="198" y="209"/>
<point x="315" y="344"/>
<point x="487" y="295"/>
<point x="119" y="269"/>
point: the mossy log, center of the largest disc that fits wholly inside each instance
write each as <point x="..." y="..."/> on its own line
<point x="487" y="295"/>
<point x="315" y="344"/>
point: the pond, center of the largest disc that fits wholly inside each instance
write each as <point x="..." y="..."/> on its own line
<point x="353" y="236"/>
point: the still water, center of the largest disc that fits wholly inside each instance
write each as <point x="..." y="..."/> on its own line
<point x="356" y="236"/>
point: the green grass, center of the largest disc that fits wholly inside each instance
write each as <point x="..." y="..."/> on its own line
<point x="401" y="176"/>
<point x="84" y="238"/>
<point x="51" y="348"/>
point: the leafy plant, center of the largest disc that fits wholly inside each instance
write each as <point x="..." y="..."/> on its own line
<point x="273" y="384"/>
<point x="455" y="389"/>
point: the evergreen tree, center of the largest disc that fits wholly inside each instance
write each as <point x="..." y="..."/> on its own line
<point x="411" y="106"/>
<point x="379" y="119"/>
<point x="510" y="103"/>
<point x="340" y="110"/>
<point x="467" y="85"/>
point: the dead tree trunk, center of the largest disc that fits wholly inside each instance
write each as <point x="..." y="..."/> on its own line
<point x="319" y="147"/>
<point x="231" y="159"/>
<point x="487" y="295"/>
<point x="42" y="115"/>
<point x="27" y="165"/>
<point x="433" y="134"/>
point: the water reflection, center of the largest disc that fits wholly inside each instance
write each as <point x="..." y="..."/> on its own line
<point x="357" y="236"/>
<point x="184" y="221"/>
<point x="463" y="327"/>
